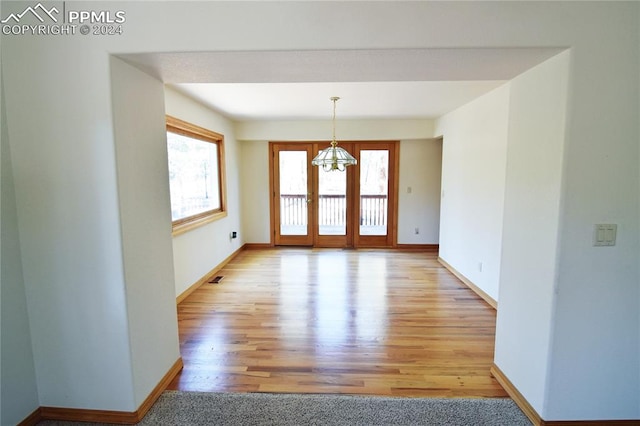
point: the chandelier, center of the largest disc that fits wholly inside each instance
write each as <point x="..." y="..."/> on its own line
<point x="334" y="157"/>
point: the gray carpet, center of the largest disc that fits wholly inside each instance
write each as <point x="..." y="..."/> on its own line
<point x="195" y="408"/>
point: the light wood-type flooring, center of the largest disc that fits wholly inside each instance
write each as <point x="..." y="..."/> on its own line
<point x="376" y="322"/>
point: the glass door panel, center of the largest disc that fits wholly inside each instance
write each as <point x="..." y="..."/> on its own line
<point x="332" y="203"/>
<point x="374" y="191"/>
<point x="294" y="215"/>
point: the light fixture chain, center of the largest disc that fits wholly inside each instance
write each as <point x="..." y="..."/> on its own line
<point x="333" y="157"/>
<point x="333" y="141"/>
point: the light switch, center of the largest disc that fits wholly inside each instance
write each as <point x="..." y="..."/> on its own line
<point x="605" y="235"/>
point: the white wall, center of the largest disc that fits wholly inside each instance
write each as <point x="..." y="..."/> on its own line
<point x="60" y="131"/>
<point x="18" y="389"/>
<point x="537" y="118"/>
<point x="600" y="185"/>
<point x="420" y="170"/>
<point x="255" y="191"/>
<point x="198" y="251"/>
<point x="474" y="157"/>
<point x="420" y="164"/>
<point x="145" y="212"/>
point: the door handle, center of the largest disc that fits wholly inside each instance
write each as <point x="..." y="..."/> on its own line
<point x="309" y="199"/>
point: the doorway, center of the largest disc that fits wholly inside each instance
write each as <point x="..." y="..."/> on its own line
<point x="313" y="207"/>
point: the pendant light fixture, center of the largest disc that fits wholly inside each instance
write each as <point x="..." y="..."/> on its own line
<point x="334" y="157"/>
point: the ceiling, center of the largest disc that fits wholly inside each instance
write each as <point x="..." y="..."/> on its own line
<point x="372" y="84"/>
<point x="360" y="100"/>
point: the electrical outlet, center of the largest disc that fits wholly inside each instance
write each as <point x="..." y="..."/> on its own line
<point x="417" y="231"/>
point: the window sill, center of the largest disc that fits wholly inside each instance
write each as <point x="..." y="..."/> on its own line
<point x="196" y="223"/>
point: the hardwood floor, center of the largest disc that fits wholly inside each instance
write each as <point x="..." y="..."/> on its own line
<point x="337" y="321"/>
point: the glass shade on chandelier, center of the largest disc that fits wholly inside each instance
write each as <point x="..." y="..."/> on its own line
<point x="334" y="157"/>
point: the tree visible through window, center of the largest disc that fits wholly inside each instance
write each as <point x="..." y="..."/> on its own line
<point x="196" y="174"/>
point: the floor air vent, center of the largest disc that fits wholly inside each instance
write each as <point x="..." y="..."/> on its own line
<point x="216" y="280"/>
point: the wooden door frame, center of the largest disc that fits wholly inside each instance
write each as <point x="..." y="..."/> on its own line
<point x="353" y="239"/>
<point x="391" y="239"/>
<point x="274" y="213"/>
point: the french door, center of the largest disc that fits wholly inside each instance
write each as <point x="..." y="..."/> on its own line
<point x="354" y="208"/>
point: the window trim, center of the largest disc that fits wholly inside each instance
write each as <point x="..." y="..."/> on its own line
<point x="184" y="128"/>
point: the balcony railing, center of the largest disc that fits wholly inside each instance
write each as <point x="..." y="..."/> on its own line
<point x="373" y="210"/>
<point x="332" y="210"/>
<point x="293" y="209"/>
